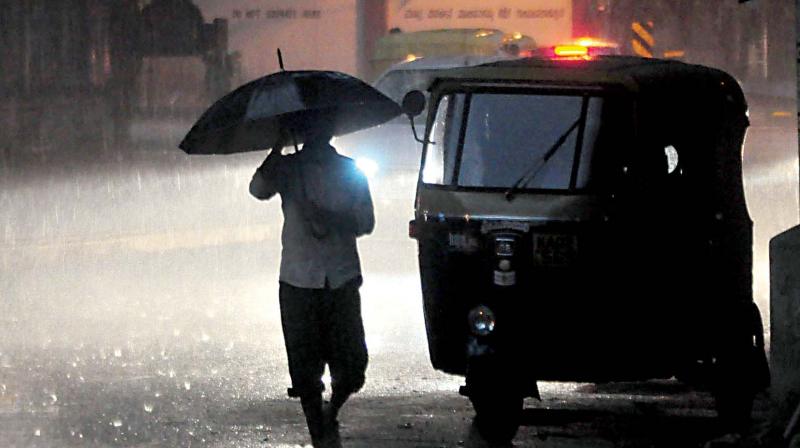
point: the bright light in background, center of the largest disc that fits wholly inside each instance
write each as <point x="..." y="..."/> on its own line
<point x="571" y="51"/>
<point x="367" y="166"/>
<point x="593" y="42"/>
<point x="412" y="57"/>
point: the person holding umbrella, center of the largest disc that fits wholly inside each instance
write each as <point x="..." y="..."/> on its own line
<point x="326" y="205"/>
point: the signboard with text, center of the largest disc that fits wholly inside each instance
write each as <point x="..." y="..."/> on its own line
<point x="547" y="21"/>
<point x="312" y="34"/>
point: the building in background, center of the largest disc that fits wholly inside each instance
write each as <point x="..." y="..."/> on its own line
<point x="312" y="34"/>
<point x="548" y="22"/>
<point x="80" y="71"/>
<point x="68" y="65"/>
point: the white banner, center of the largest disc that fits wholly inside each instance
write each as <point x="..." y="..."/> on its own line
<point x="548" y="22"/>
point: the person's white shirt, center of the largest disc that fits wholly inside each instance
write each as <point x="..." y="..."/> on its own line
<point x="326" y="205"/>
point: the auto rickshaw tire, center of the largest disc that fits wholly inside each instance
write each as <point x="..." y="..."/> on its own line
<point x="740" y="372"/>
<point x="734" y="408"/>
<point x="693" y="375"/>
<point x="498" y="414"/>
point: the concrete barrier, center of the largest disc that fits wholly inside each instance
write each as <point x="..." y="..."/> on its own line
<point x="784" y="250"/>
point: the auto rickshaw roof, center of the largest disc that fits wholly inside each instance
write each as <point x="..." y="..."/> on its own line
<point x="632" y="73"/>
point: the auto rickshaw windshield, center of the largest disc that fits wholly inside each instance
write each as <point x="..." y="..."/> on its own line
<point x="504" y="140"/>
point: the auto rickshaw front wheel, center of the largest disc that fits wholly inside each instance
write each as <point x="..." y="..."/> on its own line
<point x="497" y="398"/>
<point x="498" y="414"/>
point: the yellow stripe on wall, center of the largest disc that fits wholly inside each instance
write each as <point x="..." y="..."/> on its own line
<point x="643" y="34"/>
<point x="640" y="49"/>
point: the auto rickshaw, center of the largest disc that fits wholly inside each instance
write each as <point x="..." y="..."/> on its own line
<point x="585" y="220"/>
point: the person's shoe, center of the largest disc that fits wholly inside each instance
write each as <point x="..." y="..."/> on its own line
<point x="331" y="427"/>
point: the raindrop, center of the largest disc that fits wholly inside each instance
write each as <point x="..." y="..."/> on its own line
<point x="118" y="352"/>
<point x="148" y="407"/>
<point x="38" y="432"/>
<point x="205" y="337"/>
<point x="53" y="397"/>
<point x="117" y="423"/>
<point x="171" y="373"/>
<point x="187" y="385"/>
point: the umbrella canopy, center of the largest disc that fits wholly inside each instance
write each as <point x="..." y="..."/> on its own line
<point x="283" y="105"/>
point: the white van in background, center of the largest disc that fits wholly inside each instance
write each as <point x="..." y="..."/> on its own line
<point x="389" y="151"/>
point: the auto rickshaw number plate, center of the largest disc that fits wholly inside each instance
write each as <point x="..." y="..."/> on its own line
<point x="505" y="278"/>
<point x="554" y="249"/>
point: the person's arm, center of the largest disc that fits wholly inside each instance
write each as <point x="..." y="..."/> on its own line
<point x="363" y="211"/>
<point x="267" y="179"/>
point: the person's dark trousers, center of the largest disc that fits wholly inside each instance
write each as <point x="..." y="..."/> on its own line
<point x="323" y="326"/>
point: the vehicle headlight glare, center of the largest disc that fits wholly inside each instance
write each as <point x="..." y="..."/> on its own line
<point x="367" y="166"/>
<point x="481" y="320"/>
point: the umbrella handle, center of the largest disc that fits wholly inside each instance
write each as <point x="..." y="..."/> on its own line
<point x="280" y="60"/>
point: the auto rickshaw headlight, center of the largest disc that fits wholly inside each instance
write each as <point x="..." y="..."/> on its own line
<point x="481" y="320"/>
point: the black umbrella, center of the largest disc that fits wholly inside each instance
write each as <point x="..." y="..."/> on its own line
<point x="285" y="105"/>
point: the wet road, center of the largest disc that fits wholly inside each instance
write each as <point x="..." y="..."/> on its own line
<point x="140" y="305"/>
<point x="139" y="308"/>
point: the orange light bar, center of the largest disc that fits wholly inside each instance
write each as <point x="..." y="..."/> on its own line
<point x="571" y="51"/>
<point x="593" y="42"/>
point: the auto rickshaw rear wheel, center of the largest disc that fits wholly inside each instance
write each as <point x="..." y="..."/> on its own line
<point x="734" y="408"/>
<point x="740" y="372"/>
